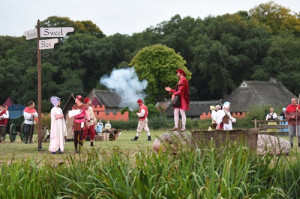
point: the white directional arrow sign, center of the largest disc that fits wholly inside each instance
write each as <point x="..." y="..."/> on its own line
<point x="30" y="34"/>
<point x="47" y="44"/>
<point x="55" y="32"/>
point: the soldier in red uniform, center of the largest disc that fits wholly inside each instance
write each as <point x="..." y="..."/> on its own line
<point x="80" y="122"/>
<point x="143" y="121"/>
<point x="182" y="89"/>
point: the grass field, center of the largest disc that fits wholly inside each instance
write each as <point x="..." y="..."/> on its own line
<point x="127" y="169"/>
<point x="18" y="150"/>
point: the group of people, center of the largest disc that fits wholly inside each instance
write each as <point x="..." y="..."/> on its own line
<point x="182" y="91"/>
<point x="83" y="125"/>
<point x="292" y="115"/>
<point x="221" y="117"/>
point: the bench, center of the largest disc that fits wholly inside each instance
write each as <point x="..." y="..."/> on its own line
<point x="277" y="128"/>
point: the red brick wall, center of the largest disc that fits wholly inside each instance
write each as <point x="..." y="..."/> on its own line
<point x="100" y="114"/>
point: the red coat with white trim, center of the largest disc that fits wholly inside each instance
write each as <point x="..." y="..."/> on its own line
<point x="4" y="117"/>
<point x="143" y="112"/>
<point x="183" y="91"/>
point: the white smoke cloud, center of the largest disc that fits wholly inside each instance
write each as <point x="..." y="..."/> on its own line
<point x="125" y="83"/>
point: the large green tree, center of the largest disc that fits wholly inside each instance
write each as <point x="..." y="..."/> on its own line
<point x="157" y="64"/>
<point x="276" y="17"/>
<point x="283" y="61"/>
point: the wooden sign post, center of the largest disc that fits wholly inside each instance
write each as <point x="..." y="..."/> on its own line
<point x="42" y="45"/>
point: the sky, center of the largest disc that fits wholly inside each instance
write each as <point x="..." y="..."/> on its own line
<point x="118" y="16"/>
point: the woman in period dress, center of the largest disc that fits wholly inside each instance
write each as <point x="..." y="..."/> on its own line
<point x="58" y="127"/>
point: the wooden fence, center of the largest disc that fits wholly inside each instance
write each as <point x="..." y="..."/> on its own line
<point x="271" y="127"/>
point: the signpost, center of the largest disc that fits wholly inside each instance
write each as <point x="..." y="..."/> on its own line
<point x="39" y="63"/>
<point x="56" y="32"/>
<point x="30" y="34"/>
<point x="42" y="45"/>
<point x="47" y="44"/>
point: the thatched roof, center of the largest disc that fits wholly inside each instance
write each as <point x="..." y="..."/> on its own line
<point x="196" y="108"/>
<point x="106" y="98"/>
<point x="252" y="93"/>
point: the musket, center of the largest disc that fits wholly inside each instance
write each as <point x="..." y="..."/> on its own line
<point x="72" y="96"/>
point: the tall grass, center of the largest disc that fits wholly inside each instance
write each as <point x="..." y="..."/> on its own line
<point x="228" y="172"/>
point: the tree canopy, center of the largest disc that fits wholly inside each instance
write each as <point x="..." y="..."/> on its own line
<point x="157" y="64"/>
<point x="217" y="52"/>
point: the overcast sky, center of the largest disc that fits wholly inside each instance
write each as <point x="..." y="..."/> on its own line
<point x="117" y="16"/>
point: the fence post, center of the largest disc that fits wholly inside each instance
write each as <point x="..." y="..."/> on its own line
<point x="255" y="123"/>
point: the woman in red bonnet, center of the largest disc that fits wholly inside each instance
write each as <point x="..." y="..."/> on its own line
<point x="182" y="89"/>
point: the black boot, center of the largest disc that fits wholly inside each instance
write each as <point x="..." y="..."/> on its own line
<point x="135" y="138"/>
<point x="26" y="139"/>
<point x="149" y="138"/>
<point x="291" y="145"/>
<point x="92" y="143"/>
<point x="298" y="144"/>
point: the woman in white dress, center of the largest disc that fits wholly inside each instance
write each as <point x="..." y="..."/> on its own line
<point x="224" y="118"/>
<point x="58" y="127"/>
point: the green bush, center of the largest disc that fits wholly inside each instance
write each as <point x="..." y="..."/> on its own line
<point x="160" y="122"/>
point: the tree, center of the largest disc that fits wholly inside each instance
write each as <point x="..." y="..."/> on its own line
<point x="87" y="27"/>
<point x="157" y="64"/>
<point x="8" y="43"/>
<point x="72" y="83"/>
<point x="111" y="52"/>
<point x="10" y="79"/>
<point x="282" y="61"/>
<point x="278" y="18"/>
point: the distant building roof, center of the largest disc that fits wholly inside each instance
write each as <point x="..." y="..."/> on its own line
<point x="196" y="108"/>
<point x="251" y="93"/>
<point x="104" y="97"/>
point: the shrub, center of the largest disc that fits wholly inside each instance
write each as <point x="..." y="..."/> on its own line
<point x="160" y="122"/>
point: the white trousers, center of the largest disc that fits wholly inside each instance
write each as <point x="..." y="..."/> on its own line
<point x="176" y="117"/>
<point x="143" y="125"/>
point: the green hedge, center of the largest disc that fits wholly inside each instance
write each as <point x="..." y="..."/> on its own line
<point x="161" y="122"/>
